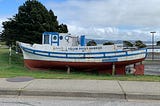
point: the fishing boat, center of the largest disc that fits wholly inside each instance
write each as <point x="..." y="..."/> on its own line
<point x="65" y="51"/>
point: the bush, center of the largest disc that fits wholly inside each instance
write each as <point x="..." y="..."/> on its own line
<point x="127" y="44"/>
<point x="108" y="43"/>
<point x="139" y="44"/>
<point x="91" y="43"/>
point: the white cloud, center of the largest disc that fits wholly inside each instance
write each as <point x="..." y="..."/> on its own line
<point x="108" y="12"/>
<point x="113" y="33"/>
<point x="102" y="18"/>
<point x="2" y="19"/>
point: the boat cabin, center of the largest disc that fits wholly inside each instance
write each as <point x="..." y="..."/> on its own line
<point x="62" y="39"/>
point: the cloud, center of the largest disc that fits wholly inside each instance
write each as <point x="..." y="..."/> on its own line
<point x="104" y="18"/>
<point x="113" y="33"/>
<point x="108" y="12"/>
<point x="2" y="19"/>
<point x="108" y="19"/>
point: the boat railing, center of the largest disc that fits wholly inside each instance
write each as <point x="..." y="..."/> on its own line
<point x="113" y="54"/>
<point x="97" y="54"/>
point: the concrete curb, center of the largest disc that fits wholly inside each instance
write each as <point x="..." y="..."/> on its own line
<point x="64" y="94"/>
<point x="79" y="94"/>
<point x="73" y="94"/>
<point x="142" y="97"/>
<point x="10" y="92"/>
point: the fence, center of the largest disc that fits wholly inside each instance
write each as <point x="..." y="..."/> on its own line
<point x="155" y="55"/>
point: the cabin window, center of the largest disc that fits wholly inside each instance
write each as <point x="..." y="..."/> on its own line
<point x="46" y="39"/>
<point x="54" y="37"/>
<point x="61" y="37"/>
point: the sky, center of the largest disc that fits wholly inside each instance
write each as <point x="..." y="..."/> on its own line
<point x="100" y="19"/>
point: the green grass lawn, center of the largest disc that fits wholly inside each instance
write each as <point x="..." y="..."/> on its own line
<point x="13" y="67"/>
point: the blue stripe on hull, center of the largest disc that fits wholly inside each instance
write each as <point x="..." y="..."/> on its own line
<point x="110" y="60"/>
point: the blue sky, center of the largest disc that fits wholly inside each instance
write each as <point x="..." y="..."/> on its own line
<point x="101" y="19"/>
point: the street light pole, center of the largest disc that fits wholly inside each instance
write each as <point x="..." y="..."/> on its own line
<point x="152" y="33"/>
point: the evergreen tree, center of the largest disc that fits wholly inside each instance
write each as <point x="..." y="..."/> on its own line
<point x="158" y="43"/>
<point x="139" y="44"/>
<point x="30" y="22"/>
<point x="62" y="28"/>
<point x="127" y="44"/>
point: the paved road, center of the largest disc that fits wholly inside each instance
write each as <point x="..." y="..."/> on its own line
<point x="152" y="68"/>
<point x="70" y="101"/>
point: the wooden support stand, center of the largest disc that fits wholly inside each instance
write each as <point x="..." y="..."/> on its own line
<point x="113" y="69"/>
<point x="139" y="69"/>
<point x="120" y="70"/>
<point x="68" y="70"/>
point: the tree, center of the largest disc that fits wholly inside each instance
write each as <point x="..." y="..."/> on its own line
<point x="91" y="43"/>
<point x="158" y="43"/>
<point x="30" y="22"/>
<point x="127" y="44"/>
<point x="108" y="43"/>
<point x="62" y="28"/>
<point x="139" y="44"/>
<point x="0" y="36"/>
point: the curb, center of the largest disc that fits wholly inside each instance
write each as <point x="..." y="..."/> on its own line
<point x="73" y="94"/>
<point x="143" y="97"/>
<point x="21" y="92"/>
<point x="63" y="94"/>
<point x="10" y="92"/>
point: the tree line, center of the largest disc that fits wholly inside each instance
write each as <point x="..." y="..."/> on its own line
<point x="138" y="43"/>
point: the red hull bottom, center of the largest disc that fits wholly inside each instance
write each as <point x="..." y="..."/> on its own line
<point x="102" y="68"/>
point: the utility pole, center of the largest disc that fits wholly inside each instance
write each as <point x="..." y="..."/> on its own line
<point x="152" y="33"/>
